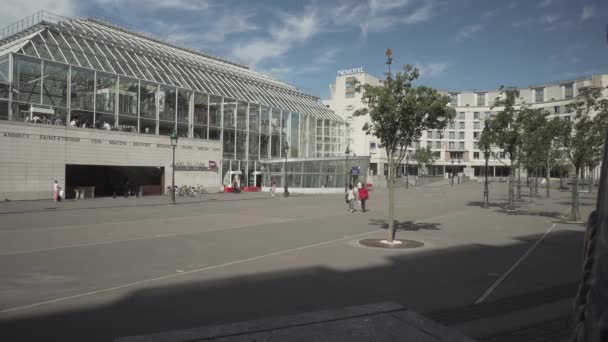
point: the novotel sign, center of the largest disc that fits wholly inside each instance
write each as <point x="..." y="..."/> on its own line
<point x="358" y="70"/>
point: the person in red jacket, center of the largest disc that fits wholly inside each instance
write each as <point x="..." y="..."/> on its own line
<point x="363" y="196"/>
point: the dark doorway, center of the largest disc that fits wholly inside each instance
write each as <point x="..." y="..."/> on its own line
<point x="113" y="180"/>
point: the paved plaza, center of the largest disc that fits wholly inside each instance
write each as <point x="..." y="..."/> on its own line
<point x="95" y="270"/>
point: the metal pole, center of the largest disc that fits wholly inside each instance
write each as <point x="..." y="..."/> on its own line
<point x="173" y="178"/>
<point x="346" y="180"/>
<point x="407" y="178"/>
<point x="486" y="194"/>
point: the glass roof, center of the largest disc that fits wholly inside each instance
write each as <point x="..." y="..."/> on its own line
<point x="91" y="43"/>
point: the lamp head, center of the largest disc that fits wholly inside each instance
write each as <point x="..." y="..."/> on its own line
<point x="173" y="138"/>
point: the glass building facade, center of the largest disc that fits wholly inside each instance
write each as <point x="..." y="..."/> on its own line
<point x="93" y="75"/>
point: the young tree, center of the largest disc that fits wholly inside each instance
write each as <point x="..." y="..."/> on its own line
<point x="485" y="143"/>
<point x="506" y="130"/>
<point x="583" y="136"/>
<point x="424" y="157"/>
<point x="399" y="111"/>
<point x="533" y="145"/>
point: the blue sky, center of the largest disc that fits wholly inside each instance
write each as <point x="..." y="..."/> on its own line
<point x="457" y="44"/>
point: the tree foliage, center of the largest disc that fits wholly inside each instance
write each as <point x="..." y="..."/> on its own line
<point x="425" y="157"/>
<point x="399" y="112"/>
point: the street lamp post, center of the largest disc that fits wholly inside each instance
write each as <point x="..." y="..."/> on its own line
<point x="458" y="169"/>
<point x="285" y="188"/>
<point x="347" y="179"/>
<point x="173" y="138"/>
<point x="486" y="154"/>
<point x="407" y="166"/>
<point x="452" y="169"/>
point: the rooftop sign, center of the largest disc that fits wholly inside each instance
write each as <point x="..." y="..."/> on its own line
<point x="358" y="70"/>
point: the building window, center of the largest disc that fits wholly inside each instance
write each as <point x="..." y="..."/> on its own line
<point x="476" y="145"/>
<point x="437" y="144"/>
<point x="429" y="134"/>
<point x="461" y="135"/>
<point x="452" y="145"/>
<point x="567" y="108"/>
<point x="475" y="115"/>
<point x="476" y="125"/>
<point x="539" y="94"/>
<point x="455" y="155"/>
<point x="454" y="99"/>
<point x="487" y="115"/>
<point x="452" y="135"/>
<point x="557" y="109"/>
<point x="568" y="91"/>
<point x="461" y="146"/>
<point x="475" y="155"/>
<point x="460" y="115"/>
<point x="475" y="135"/>
<point x="481" y="99"/>
<point x="452" y="125"/>
<point x="350" y="87"/>
<point x="461" y="125"/>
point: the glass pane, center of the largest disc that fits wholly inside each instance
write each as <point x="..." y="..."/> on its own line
<point x="199" y="132"/>
<point x="214" y="133"/>
<point x="82" y="119"/>
<point x="26" y="79"/>
<point x="275" y="120"/>
<point x="3" y="110"/>
<point x="241" y="144"/>
<point x="105" y="93"/>
<point x="127" y="123"/>
<point x="147" y="126"/>
<point x="127" y="96"/>
<point x="265" y="120"/>
<point x="294" y="150"/>
<point x="254" y="117"/>
<point x="229" y="112"/>
<point x="241" y="116"/>
<point x="264" y="145"/>
<point x="82" y="89"/>
<point x="55" y="84"/>
<point x="215" y="116"/>
<point x="229" y="136"/>
<point x="183" y="105"/>
<point x="166" y="127"/>
<point x="275" y="143"/>
<point x="147" y="97"/>
<point x="182" y="130"/>
<point x="166" y="103"/>
<point x="106" y="121"/>
<point x="200" y="109"/>
<point x="4" y="88"/>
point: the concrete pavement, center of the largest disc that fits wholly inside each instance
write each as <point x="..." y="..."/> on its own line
<point x="102" y="270"/>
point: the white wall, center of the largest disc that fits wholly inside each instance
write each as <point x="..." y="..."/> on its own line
<point x="33" y="155"/>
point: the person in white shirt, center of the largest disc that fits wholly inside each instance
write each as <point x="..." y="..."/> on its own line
<point x="55" y="191"/>
<point x="107" y="126"/>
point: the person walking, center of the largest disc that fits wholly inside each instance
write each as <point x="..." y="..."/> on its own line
<point x="363" y="196"/>
<point x="55" y="190"/>
<point x="273" y="187"/>
<point x="350" y="198"/>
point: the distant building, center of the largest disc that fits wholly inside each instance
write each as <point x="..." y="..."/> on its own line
<point x="459" y="141"/>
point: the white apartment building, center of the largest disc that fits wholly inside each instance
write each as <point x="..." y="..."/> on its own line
<point x="457" y="146"/>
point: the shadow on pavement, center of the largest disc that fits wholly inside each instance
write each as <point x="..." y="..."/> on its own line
<point x="411" y="226"/>
<point x="424" y="281"/>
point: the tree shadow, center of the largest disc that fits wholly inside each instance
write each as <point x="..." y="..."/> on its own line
<point x="410" y="226"/>
<point x="490" y="204"/>
<point x="582" y="204"/>
<point x="550" y="214"/>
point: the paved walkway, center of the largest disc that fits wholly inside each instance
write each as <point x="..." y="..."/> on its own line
<point x="137" y="266"/>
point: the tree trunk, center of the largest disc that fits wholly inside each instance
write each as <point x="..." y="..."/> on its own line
<point x="518" y="181"/>
<point x="561" y="178"/>
<point x="531" y="191"/>
<point x="511" y="185"/>
<point x="574" y="211"/>
<point x="548" y="180"/>
<point x="391" y="201"/>
<point x="536" y="181"/>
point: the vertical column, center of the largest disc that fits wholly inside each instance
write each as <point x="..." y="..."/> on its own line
<point x="191" y="115"/>
<point x="246" y="175"/>
<point x="208" y="115"/>
<point x="69" y="97"/>
<point x="94" y="101"/>
<point x="138" y="106"/>
<point x="176" y="107"/>
<point x="116" y="99"/>
<point x="156" y="107"/>
<point x="11" y="62"/>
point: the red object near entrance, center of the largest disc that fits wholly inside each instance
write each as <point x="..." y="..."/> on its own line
<point x="251" y="189"/>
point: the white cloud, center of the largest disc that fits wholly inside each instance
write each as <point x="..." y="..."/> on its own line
<point x="513" y="5"/>
<point x="545" y="3"/>
<point x="468" y="31"/>
<point x="489" y="14"/>
<point x="432" y="69"/>
<point x="185" y="5"/>
<point x="222" y="26"/>
<point x="291" y="31"/>
<point x="549" y="18"/>
<point x="588" y="12"/>
<point x="15" y="10"/>
<point x="386" y="5"/>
